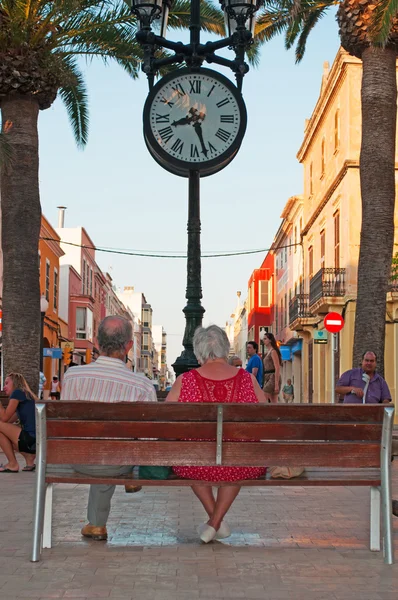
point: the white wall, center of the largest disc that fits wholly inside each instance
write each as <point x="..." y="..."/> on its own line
<point x="72" y="254"/>
<point x="63" y="308"/>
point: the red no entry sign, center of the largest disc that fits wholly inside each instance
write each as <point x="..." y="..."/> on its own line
<point x="333" y="322"/>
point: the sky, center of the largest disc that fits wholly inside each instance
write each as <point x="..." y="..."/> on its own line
<point x="125" y="200"/>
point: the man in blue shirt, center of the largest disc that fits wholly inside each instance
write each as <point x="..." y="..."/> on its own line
<point x="255" y="364"/>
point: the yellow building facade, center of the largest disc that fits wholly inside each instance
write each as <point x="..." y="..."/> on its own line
<point x="330" y="234"/>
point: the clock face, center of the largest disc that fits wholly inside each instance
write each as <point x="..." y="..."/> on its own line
<point x="194" y="121"/>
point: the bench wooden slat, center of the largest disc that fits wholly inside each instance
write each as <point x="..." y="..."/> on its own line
<point x="195" y="453"/>
<point x="232" y="431"/>
<point x="310" y="477"/>
<point x="153" y="411"/>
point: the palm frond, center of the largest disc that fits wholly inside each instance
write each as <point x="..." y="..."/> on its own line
<point x="386" y="11"/>
<point x="74" y="97"/>
<point x="212" y="18"/>
<point x="308" y="25"/>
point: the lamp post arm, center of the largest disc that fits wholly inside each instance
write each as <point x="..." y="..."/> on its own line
<point x="211" y="47"/>
<point x="145" y="36"/>
<point x="220" y="60"/>
<point x="170" y="60"/>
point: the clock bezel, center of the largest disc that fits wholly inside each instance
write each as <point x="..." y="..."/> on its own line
<point x="182" y="167"/>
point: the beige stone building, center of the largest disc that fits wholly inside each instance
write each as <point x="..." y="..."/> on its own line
<point x="331" y="233"/>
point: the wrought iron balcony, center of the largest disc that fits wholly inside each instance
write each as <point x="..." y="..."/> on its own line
<point x="327" y="283"/>
<point x="299" y="308"/>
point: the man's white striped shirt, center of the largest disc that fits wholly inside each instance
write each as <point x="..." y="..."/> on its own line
<point x="106" y="380"/>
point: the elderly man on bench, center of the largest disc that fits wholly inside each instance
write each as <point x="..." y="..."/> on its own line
<point x="106" y="380"/>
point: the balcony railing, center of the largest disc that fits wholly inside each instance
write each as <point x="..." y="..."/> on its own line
<point x="299" y="308"/>
<point x="327" y="283"/>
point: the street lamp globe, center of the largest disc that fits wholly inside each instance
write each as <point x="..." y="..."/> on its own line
<point x="149" y="10"/>
<point x="240" y="14"/>
<point x="43" y="304"/>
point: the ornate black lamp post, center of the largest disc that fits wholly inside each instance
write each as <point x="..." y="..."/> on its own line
<point x="194" y="118"/>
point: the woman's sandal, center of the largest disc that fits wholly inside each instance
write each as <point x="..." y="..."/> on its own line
<point x="4" y="470"/>
<point x="29" y="468"/>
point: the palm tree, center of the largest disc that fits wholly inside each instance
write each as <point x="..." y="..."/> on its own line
<point x="369" y="31"/>
<point x="40" y="44"/>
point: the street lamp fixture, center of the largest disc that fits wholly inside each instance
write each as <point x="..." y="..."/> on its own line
<point x="43" y="309"/>
<point x="240" y="14"/>
<point x="239" y="19"/>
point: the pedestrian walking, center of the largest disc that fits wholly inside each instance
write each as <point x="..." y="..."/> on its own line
<point x="55" y="392"/>
<point x="216" y="381"/>
<point x="235" y="361"/>
<point x="42" y="383"/>
<point x="364" y="385"/>
<point x="255" y="365"/>
<point x="106" y="380"/>
<point x="288" y="392"/>
<point x="272" y="369"/>
<point x="13" y="437"/>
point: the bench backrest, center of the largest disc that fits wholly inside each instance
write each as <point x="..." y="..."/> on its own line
<point x="352" y="436"/>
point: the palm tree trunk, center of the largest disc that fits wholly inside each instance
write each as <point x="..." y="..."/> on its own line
<point x="21" y="217"/>
<point x="377" y="173"/>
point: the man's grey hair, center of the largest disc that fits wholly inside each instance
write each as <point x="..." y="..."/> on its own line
<point x="113" y="334"/>
<point x="209" y="343"/>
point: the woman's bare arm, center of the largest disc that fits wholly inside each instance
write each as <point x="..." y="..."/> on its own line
<point x="175" y="391"/>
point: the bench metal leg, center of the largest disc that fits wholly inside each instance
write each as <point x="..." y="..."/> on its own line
<point x="40" y="486"/>
<point x="48" y="513"/>
<point x="375" y="503"/>
<point x="386" y="488"/>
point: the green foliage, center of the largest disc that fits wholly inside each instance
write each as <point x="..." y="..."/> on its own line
<point x="52" y="34"/>
<point x="297" y="18"/>
<point x="394" y="267"/>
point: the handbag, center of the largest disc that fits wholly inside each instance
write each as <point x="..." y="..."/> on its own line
<point x="154" y="472"/>
<point x="286" y="472"/>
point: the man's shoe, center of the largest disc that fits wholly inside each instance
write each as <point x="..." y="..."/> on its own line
<point x="95" y="533"/>
<point x="132" y="489"/>
<point x="395" y="508"/>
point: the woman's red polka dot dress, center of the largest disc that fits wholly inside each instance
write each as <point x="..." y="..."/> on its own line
<point x="239" y="388"/>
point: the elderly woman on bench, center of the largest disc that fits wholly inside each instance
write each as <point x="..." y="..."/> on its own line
<point x="216" y="381"/>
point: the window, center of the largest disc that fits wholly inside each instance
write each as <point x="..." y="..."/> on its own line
<point x="39" y="258"/>
<point x="282" y="315"/>
<point x="295" y="239"/>
<point x="81" y="321"/>
<point x="264" y="293"/>
<point x="323" y="158"/>
<point x="311" y="185"/>
<point x="336" y="219"/>
<point x="322" y="248"/>
<point x="145" y="341"/>
<point x="47" y="280"/>
<point x="55" y="289"/>
<point x="336" y="130"/>
<point x="91" y="282"/>
<point x="251" y="303"/>
<point x="84" y="277"/>
<point x="310" y="261"/>
<point x="286" y="311"/>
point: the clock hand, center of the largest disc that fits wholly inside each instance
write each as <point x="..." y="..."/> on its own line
<point x="184" y="121"/>
<point x="198" y="129"/>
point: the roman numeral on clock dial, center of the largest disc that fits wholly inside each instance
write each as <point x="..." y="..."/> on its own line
<point x="178" y="146"/>
<point x="166" y="134"/>
<point x="223" y="135"/>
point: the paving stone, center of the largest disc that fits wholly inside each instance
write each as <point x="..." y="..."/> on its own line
<point x="301" y="543"/>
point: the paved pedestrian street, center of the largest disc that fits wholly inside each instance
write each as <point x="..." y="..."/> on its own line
<point x="306" y="544"/>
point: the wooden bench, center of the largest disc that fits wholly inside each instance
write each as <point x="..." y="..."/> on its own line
<point x="339" y="445"/>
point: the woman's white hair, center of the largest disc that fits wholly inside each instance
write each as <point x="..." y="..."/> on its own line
<point x="209" y="343"/>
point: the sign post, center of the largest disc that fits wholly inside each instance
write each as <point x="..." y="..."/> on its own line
<point x="333" y="323"/>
